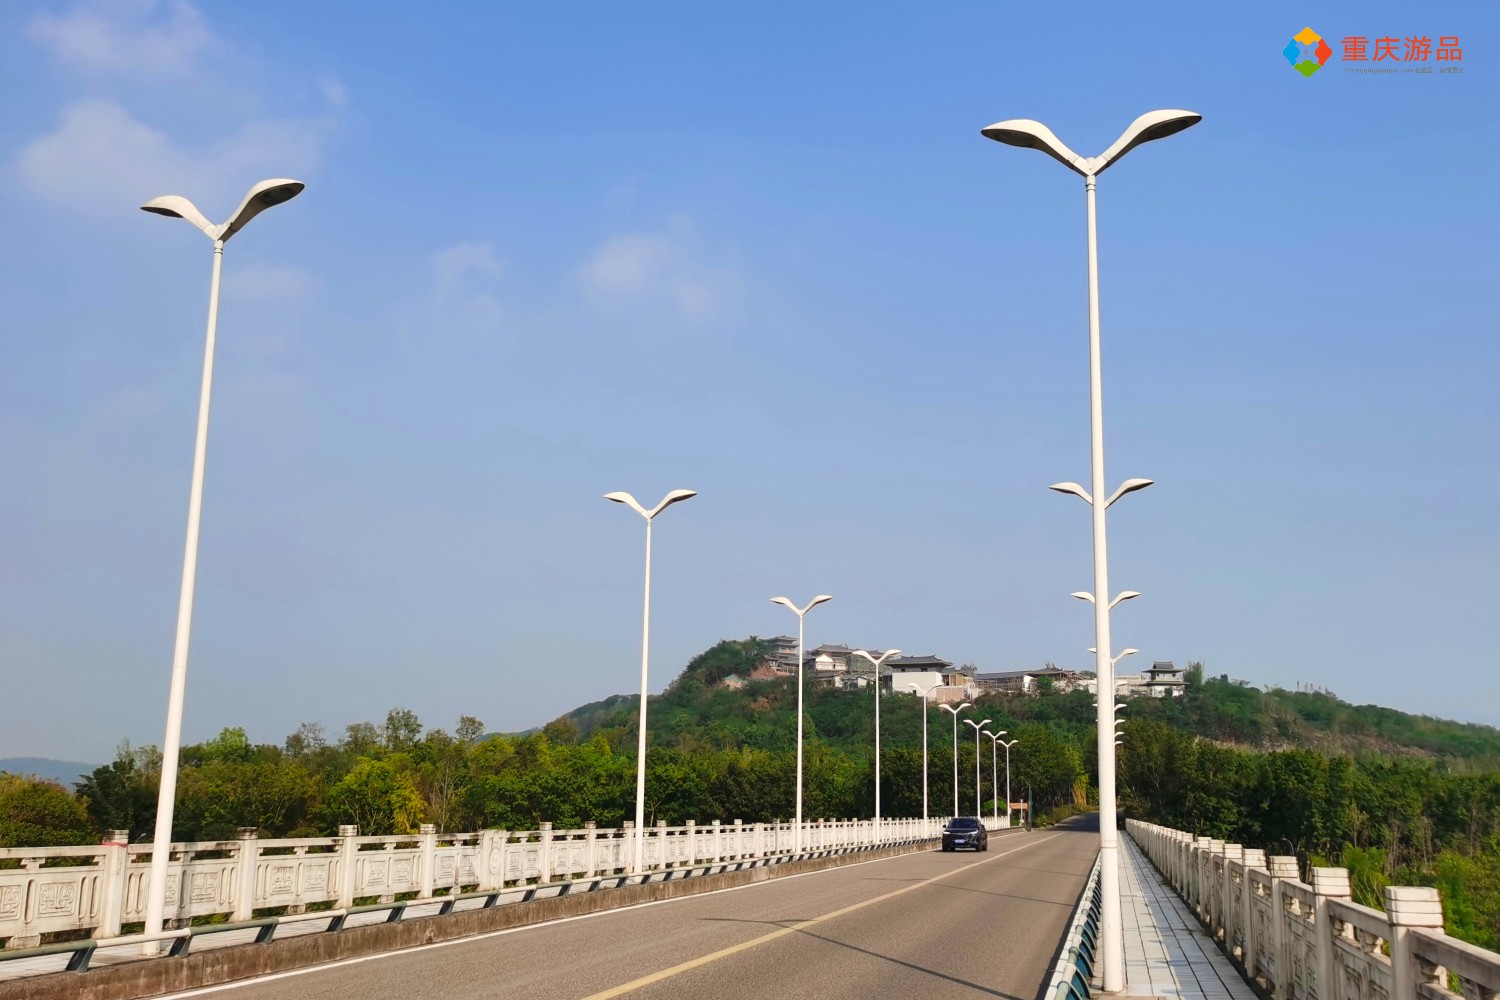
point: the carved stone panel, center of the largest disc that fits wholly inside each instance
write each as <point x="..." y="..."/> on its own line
<point x="205" y="887"/>
<point x="283" y="879"/>
<point x="57" y="899"/>
<point x="10" y="902"/>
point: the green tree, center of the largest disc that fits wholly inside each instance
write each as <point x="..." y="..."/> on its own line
<point x="40" y="814"/>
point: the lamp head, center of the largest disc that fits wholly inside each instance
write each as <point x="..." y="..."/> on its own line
<point x="175" y="206"/>
<point x="1148" y="127"/>
<point x="1029" y="134"/>
<point x="629" y="501"/>
<point x="266" y="194"/>
<point x="676" y="496"/>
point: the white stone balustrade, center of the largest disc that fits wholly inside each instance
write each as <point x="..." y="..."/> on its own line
<point x="1310" y="941"/>
<point x="101" y="888"/>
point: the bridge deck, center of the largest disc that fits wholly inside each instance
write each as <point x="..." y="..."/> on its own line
<point x="1167" y="952"/>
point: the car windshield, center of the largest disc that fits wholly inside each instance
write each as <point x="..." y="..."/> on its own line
<point x="963" y="824"/>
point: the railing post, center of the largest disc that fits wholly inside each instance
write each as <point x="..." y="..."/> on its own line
<point x="116" y="862"/>
<point x="590" y="849"/>
<point x="1227" y="910"/>
<point x="631" y="836"/>
<point x="544" y="853"/>
<point x="244" y="889"/>
<point x="661" y="844"/>
<point x="1409" y="906"/>
<point x="1250" y="943"/>
<point x="348" y="849"/>
<point x="1327" y="883"/>
<point x="1283" y="869"/>
<point x="1195" y="854"/>
<point x="739" y="843"/>
<point x="428" y="833"/>
<point x="490" y="867"/>
<point x="692" y="841"/>
<point x="718" y="841"/>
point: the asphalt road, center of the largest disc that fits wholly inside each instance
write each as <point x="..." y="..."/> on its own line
<point x="923" y="925"/>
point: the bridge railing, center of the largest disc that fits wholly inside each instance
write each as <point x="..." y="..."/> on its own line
<point x="101" y="889"/>
<point x="1310" y="941"/>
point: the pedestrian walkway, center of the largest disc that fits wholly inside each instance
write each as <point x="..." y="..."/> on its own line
<point x="1167" y="952"/>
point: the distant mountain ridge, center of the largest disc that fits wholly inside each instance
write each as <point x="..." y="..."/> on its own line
<point x="64" y="772"/>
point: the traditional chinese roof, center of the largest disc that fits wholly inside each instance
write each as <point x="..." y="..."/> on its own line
<point x="929" y="661"/>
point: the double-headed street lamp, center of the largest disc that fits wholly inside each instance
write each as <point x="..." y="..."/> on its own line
<point x="955" y="711"/>
<point x="1034" y="135"/>
<point x="640" y="741"/>
<point x="978" y="727"/>
<point x="994" y="783"/>
<point x="876" y="662"/>
<point x="800" y="613"/>
<point x="1007" y="747"/>
<point x="924" y="692"/>
<point x="262" y="196"/>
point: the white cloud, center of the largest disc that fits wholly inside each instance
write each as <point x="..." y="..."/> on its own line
<point x="464" y="278"/>
<point x="126" y="37"/>
<point x="655" y="267"/>
<point x="101" y="158"/>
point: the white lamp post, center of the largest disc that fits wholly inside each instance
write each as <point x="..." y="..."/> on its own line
<point x="800" y="613"/>
<point x="640" y="740"/>
<point x="924" y="693"/>
<point x="994" y="776"/>
<point x="955" y="711"/>
<point x="978" y="799"/>
<point x="876" y="662"/>
<point x="1035" y="135"/>
<point x="1007" y="747"/>
<point x="261" y="197"/>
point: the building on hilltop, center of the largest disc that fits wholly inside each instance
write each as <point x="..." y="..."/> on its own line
<point x="1031" y="681"/>
<point x="782" y="655"/>
<point x="915" y="674"/>
<point x="1165" y="680"/>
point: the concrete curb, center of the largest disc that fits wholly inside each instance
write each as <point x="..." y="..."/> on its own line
<point x="152" y="977"/>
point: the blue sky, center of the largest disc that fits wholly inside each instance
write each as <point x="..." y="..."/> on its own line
<point x="548" y="251"/>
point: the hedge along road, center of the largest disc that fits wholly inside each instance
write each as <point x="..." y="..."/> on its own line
<point x="921" y="925"/>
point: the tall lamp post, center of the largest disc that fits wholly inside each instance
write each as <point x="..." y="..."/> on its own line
<point x="262" y="196"/>
<point x="978" y="727"/>
<point x="1007" y="747"/>
<point x="1034" y="135"/>
<point x="640" y="737"/>
<point x="924" y="693"/>
<point x="955" y="711"/>
<point x="876" y="662"/>
<point x="994" y="779"/>
<point x="800" y="613"/>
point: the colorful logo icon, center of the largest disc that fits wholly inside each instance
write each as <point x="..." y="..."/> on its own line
<point x="1307" y="52"/>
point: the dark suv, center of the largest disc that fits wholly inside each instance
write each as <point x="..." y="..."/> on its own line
<point x="965" y="831"/>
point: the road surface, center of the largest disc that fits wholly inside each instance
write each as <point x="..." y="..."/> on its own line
<point x="922" y="925"/>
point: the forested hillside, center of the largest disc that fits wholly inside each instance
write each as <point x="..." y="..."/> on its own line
<point x="1392" y="796"/>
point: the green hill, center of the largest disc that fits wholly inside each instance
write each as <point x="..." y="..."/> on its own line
<point x="698" y="709"/>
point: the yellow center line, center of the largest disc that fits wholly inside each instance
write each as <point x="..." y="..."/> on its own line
<point x="703" y="960"/>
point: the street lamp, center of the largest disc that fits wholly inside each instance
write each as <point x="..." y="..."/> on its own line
<point x="1007" y="747"/>
<point x="1035" y="135"/>
<point x="640" y="739"/>
<point x="876" y="662"/>
<point x="994" y="783"/>
<point x="261" y="197"/>
<point x="924" y="693"/>
<point x="800" y="613"/>
<point x="978" y="801"/>
<point x="955" y="711"/>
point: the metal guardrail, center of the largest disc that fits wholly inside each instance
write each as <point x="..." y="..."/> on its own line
<point x="1072" y="976"/>
<point x="81" y="953"/>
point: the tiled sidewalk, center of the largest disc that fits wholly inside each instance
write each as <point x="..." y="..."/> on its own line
<point x="1167" y="953"/>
